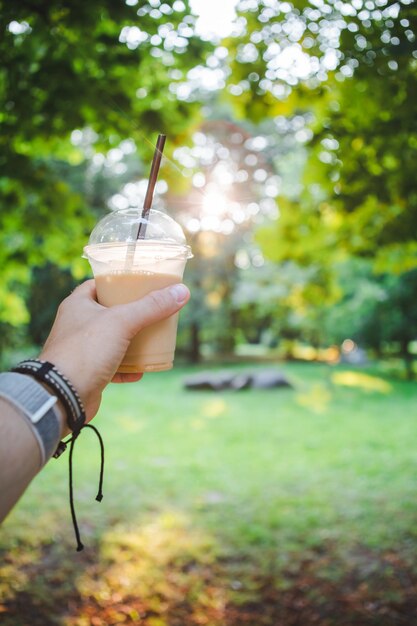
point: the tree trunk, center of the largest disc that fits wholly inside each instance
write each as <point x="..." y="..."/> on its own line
<point x="408" y="359"/>
<point x="195" y="343"/>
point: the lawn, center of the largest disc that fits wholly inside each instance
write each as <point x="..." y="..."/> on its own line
<point x="260" y="507"/>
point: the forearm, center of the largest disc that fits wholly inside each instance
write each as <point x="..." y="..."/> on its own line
<point x="87" y="342"/>
<point x="20" y="456"/>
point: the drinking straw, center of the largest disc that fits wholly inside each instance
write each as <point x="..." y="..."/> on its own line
<point x="147" y="204"/>
<point x="140" y="232"/>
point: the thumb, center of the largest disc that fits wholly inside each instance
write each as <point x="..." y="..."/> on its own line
<point x="153" y="307"/>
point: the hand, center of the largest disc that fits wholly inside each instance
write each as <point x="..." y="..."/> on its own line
<point x="88" y="341"/>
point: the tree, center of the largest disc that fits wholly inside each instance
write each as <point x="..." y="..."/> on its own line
<point x="353" y="66"/>
<point x="393" y="318"/>
<point x="233" y="185"/>
<point x="103" y="65"/>
<point x="57" y="283"/>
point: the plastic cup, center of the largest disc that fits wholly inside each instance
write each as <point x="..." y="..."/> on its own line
<point x="126" y="268"/>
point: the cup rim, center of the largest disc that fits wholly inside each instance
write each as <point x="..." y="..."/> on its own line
<point x="182" y="250"/>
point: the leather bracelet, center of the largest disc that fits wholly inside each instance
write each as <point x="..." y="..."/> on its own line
<point x="47" y="373"/>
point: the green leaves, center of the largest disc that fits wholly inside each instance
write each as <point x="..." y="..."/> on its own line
<point x="361" y="84"/>
<point x="104" y="65"/>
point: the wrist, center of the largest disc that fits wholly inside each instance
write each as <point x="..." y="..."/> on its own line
<point x="81" y="381"/>
<point x="38" y="406"/>
<point x="57" y="383"/>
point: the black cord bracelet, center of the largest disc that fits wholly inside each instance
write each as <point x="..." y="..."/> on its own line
<point x="47" y="373"/>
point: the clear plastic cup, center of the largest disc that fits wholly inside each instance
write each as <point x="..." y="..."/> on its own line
<point x="126" y="268"/>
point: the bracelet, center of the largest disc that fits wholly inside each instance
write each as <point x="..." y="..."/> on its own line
<point x="47" y="373"/>
<point x="37" y="406"/>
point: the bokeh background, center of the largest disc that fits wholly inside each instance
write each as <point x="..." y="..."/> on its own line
<point x="290" y="164"/>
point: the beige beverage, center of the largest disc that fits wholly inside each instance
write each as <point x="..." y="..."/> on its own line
<point x="153" y="348"/>
<point x="130" y="256"/>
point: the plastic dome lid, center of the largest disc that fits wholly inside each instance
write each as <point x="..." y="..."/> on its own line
<point x="124" y="225"/>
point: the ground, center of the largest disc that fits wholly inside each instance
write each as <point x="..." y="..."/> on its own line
<point x="287" y="507"/>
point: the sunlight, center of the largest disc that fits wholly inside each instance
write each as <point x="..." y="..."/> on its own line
<point x="130" y="423"/>
<point x="214" y="408"/>
<point x="144" y="567"/>
<point x="364" y="381"/>
<point x="215" y="203"/>
<point x="317" y="398"/>
<point x="208" y="22"/>
<point x="222" y="172"/>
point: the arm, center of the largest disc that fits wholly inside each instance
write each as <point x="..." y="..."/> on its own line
<point x="87" y="343"/>
<point x="20" y="456"/>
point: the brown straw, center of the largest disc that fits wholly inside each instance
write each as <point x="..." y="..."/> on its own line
<point x="156" y="163"/>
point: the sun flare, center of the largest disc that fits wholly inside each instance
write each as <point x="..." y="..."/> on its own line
<point x="215" y="203"/>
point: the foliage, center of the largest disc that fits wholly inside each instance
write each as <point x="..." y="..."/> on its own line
<point x="76" y="65"/>
<point x="369" y="144"/>
<point x="329" y="91"/>
<point x="353" y="67"/>
<point x="282" y="302"/>
<point x="279" y="302"/>
<point x="360" y="80"/>
<point x="105" y="65"/>
<point x="58" y="284"/>
<point x="232" y="187"/>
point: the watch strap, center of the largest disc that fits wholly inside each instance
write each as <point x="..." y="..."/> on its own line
<point x="38" y="406"/>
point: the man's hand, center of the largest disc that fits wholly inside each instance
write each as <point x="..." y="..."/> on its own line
<point x="88" y="341"/>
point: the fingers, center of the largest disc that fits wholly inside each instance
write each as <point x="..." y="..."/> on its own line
<point x="126" y="378"/>
<point x="84" y="294"/>
<point x="156" y="306"/>
<point x="87" y="288"/>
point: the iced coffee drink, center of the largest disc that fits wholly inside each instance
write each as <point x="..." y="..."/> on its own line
<point x="127" y="270"/>
<point x="153" y="348"/>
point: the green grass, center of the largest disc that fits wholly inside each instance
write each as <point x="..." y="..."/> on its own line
<point x="258" y="479"/>
<point x="275" y="468"/>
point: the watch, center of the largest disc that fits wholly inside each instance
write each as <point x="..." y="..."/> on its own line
<point x="38" y="406"/>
